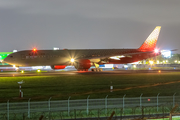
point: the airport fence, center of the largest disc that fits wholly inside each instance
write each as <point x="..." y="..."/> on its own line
<point x="89" y="108"/>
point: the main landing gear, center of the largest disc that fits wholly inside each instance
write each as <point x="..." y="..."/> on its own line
<point x="96" y="69"/>
<point x="82" y="69"/>
<point x="93" y="69"/>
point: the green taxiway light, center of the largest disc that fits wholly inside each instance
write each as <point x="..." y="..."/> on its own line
<point x="3" y="55"/>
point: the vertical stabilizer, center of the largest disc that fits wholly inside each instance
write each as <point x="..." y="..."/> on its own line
<point x="150" y="42"/>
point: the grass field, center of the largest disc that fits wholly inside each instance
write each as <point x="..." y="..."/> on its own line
<point x="97" y="86"/>
<point x="165" y="119"/>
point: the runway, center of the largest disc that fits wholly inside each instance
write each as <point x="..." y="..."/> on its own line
<point x="106" y="72"/>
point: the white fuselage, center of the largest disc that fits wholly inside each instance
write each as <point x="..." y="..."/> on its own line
<point x="62" y="57"/>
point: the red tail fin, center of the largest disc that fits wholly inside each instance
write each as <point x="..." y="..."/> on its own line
<point x="150" y="42"/>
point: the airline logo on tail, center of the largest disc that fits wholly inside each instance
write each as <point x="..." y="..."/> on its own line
<point x="150" y="42"/>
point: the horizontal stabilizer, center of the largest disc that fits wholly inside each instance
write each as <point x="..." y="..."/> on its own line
<point x="174" y="50"/>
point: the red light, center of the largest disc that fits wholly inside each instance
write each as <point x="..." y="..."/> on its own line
<point x="34" y="49"/>
<point x="59" y="66"/>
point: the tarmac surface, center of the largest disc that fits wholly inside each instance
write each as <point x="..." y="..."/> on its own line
<point x="106" y="72"/>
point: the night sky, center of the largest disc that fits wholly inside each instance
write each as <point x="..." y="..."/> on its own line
<point x="87" y="24"/>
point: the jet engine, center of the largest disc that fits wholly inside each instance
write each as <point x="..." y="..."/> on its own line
<point x="58" y="67"/>
<point x="82" y="64"/>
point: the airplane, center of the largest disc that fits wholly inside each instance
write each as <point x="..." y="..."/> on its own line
<point x="83" y="59"/>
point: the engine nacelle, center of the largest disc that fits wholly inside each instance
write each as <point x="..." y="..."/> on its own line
<point x="58" y="67"/>
<point x="82" y="64"/>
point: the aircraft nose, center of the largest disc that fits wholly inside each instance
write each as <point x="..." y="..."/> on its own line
<point x="7" y="60"/>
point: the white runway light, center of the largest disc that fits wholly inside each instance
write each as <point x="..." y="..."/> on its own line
<point x="156" y="50"/>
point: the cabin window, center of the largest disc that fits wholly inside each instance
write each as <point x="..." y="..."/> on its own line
<point x="23" y="56"/>
<point x="82" y="55"/>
